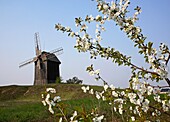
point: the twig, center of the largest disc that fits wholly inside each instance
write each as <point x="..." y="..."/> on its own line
<point x="168" y="59"/>
<point x="105" y="83"/>
<point x="63" y="114"/>
<point x="160" y="110"/>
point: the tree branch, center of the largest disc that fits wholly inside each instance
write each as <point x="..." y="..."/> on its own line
<point x="168" y="81"/>
<point x="168" y="59"/>
<point x="160" y="110"/>
<point x="143" y="69"/>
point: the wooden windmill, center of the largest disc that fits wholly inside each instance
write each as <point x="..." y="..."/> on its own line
<point x="46" y="64"/>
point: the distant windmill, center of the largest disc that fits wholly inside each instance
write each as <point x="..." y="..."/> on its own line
<point x="46" y="64"/>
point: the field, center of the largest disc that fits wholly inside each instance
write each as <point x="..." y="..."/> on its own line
<point x="23" y="103"/>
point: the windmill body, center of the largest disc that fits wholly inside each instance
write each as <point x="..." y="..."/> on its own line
<point x="48" y="70"/>
<point x="46" y="64"/>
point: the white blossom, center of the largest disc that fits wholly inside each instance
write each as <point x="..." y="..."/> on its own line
<point x="52" y="90"/>
<point x="145" y="105"/>
<point x="112" y="87"/>
<point x="143" y="88"/>
<point x="105" y="7"/>
<point x="120" y="110"/>
<point x="153" y="114"/>
<point x="122" y="93"/>
<point x="120" y="3"/>
<point x="44" y="103"/>
<point x="163" y="73"/>
<point x="131" y="95"/>
<point x="140" y="95"/>
<point x="97" y="71"/>
<point x="151" y="59"/>
<point x="99" y="7"/>
<point x="135" y="83"/>
<point x="91" y="18"/>
<point x="133" y="118"/>
<point x="149" y="90"/>
<point x="48" y="96"/>
<point x="68" y="29"/>
<point x="84" y="27"/>
<point x="125" y="5"/>
<point x="98" y="119"/>
<point x="94" y="41"/>
<point x="97" y="31"/>
<point x="106" y="87"/>
<point x="136" y="110"/>
<point x="74" y="115"/>
<point x="99" y="38"/>
<point x="165" y="105"/>
<point x="91" y="91"/>
<point x="119" y="100"/>
<point x="50" y="109"/>
<point x="103" y="98"/>
<point x="88" y="88"/>
<point x="157" y="98"/>
<point x="98" y="17"/>
<point x="113" y="5"/>
<point x="61" y="119"/>
<point x="131" y="108"/>
<point x="52" y="103"/>
<point x="91" y="73"/>
<point x="85" y="89"/>
<point x="135" y="79"/>
<point x="47" y="99"/>
<point x="138" y="102"/>
<point x="117" y="14"/>
<point x="97" y="95"/>
<point x="115" y="109"/>
<point x="42" y="95"/>
<point x="57" y="99"/>
<point x="114" y="94"/>
<point x="72" y="34"/>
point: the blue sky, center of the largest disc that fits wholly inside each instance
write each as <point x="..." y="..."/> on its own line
<point x="20" y="19"/>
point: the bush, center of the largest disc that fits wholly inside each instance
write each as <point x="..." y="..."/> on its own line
<point x="59" y="79"/>
<point x="74" y="80"/>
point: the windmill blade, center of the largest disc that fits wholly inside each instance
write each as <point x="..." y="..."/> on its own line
<point x="57" y="51"/>
<point x="37" y="44"/>
<point x="27" y="62"/>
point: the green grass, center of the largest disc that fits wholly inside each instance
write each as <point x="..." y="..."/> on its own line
<point x="23" y="103"/>
<point x="22" y="112"/>
<point x="29" y="111"/>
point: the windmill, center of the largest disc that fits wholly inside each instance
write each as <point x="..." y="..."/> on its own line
<point x="46" y="64"/>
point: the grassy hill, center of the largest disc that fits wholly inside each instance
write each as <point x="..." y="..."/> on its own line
<point x="33" y="93"/>
<point x="23" y="103"/>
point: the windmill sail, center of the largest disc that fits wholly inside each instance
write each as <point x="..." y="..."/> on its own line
<point x="57" y="51"/>
<point x="27" y="62"/>
<point x="37" y="44"/>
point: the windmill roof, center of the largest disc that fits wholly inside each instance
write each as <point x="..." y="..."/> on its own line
<point x="51" y="57"/>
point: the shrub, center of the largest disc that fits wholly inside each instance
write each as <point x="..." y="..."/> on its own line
<point x="74" y="80"/>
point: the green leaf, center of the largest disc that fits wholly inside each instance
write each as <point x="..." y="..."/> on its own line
<point x="150" y="47"/>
